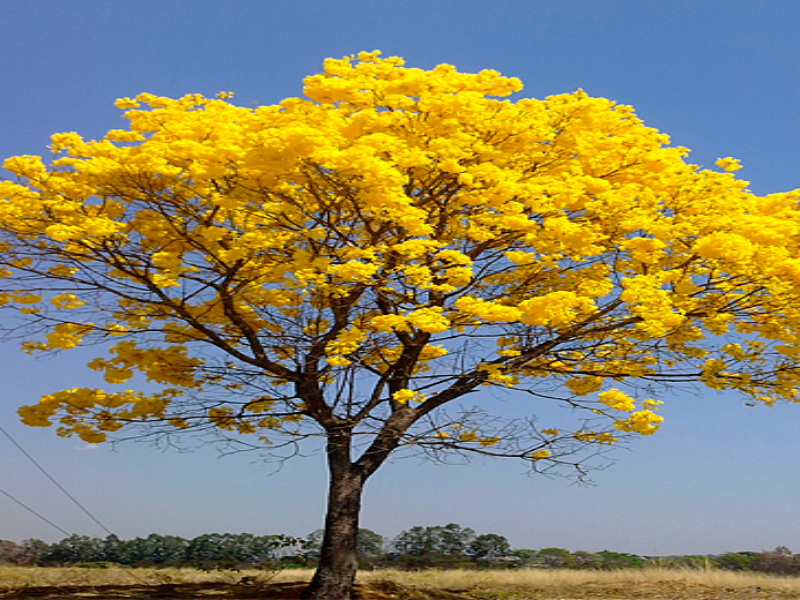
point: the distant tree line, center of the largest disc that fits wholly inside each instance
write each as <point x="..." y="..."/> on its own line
<point x="447" y="546"/>
<point x="155" y="550"/>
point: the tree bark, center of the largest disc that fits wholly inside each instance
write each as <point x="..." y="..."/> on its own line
<point x="338" y="561"/>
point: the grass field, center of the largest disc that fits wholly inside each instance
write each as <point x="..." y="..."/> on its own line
<point x="534" y="584"/>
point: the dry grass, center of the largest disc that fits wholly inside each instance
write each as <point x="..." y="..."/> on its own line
<point x="564" y="577"/>
<point x="533" y="584"/>
<point x="624" y="584"/>
<point x="17" y="577"/>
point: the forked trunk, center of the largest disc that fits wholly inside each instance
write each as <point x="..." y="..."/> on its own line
<point x="338" y="561"/>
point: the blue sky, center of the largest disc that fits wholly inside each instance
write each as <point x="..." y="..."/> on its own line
<point x="720" y="77"/>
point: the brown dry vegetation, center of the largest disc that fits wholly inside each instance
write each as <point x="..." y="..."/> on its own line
<point x="534" y="584"/>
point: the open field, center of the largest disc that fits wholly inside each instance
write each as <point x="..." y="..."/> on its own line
<point x="533" y="584"/>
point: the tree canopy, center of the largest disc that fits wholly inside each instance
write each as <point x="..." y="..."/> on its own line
<point x="352" y="264"/>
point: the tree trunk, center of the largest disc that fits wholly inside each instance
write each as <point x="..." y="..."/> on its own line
<point x="338" y="561"/>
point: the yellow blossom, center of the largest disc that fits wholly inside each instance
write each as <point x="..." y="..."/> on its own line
<point x="67" y="301"/>
<point x="395" y="232"/>
<point x="617" y="400"/>
<point x="405" y="396"/>
<point x="728" y="164"/>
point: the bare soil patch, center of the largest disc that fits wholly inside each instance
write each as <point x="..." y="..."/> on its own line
<point x="389" y="590"/>
<point x="216" y="591"/>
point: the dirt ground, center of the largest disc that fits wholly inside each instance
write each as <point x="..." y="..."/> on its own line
<point x="188" y="591"/>
<point x="664" y="590"/>
<point x="182" y="591"/>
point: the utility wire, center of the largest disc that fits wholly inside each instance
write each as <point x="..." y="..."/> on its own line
<point x="70" y="496"/>
<point x="64" y="531"/>
<point x="58" y="485"/>
<point x="29" y="509"/>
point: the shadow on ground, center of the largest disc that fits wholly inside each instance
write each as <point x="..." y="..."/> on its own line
<point x="389" y="590"/>
<point x="217" y="591"/>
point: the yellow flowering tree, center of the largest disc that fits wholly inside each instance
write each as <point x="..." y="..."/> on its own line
<point x="359" y="265"/>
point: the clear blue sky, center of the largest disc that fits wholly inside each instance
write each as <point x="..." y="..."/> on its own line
<point x="720" y="77"/>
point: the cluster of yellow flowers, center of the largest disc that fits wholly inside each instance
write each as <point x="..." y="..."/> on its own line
<point x="345" y="343"/>
<point x="393" y="208"/>
<point x="168" y="365"/>
<point x="88" y="412"/>
<point x="643" y="422"/>
<point x="617" y="400"/>
<point x="595" y="437"/>
<point x="463" y="437"/>
<point x="405" y="396"/>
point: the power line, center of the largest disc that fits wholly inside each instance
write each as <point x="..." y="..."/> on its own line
<point x="58" y="485"/>
<point x="64" y="531"/>
<point x="29" y="509"/>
